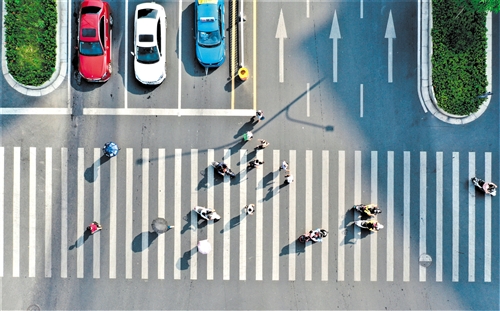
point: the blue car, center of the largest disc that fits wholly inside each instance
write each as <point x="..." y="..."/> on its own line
<point x="209" y="32"/>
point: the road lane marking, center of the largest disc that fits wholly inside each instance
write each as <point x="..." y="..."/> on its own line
<point x="361" y="9"/>
<point x="335" y="35"/>
<point x="226" y="257"/>
<point x="2" y="208"/>
<point x="243" y="218"/>
<point x="276" y="216"/>
<point x="472" y="219"/>
<point x="423" y="213"/>
<point x="374" y="200"/>
<point x="96" y="241"/>
<point x="357" y="200"/>
<point x="35" y="111"/>
<point x="390" y="217"/>
<point x="145" y="213"/>
<point x="307" y="8"/>
<point x="254" y="47"/>
<point x="112" y="216"/>
<point x="16" y="211"/>
<point x="69" y="51"/>
<point x="80" y="228"/>
<point x="325" y="186"/>
<point x="168" y="112"/>
<point x="129" y="210"/>
<point x="32" y="213"/>
<point x="341" y="216"/>
<point x="210" y="205"/>
<point x="455" y="216"/>
<point x="406" y="217"/>
<point x="487" y="221"/>
<point x="292" y="221"/>
<point x="390" y="35"/>
<point x="439" y="216"/>
<point x="64" y="213"/>
<point x="308" y="216"/>
<point x="361" y="100"/>
<point x="48" y="212"/>
<point x="281" y="35"/>
<point x="193" y="267"/>
<point x="259" y="219"/>
<point x="177" y="208"/>
<point x="161" y="212"/>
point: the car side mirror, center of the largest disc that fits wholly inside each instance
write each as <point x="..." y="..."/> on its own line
<point x="132" y="53"/>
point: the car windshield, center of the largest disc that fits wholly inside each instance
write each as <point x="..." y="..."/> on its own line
<point x="208" y="39"/>
<point x="147" y="55"/>
<point x="91" y="48"/>
<point x="147" y="13"/>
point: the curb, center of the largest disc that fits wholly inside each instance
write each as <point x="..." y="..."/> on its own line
<point x="61" y="68"/>
<point x="425" y="89"/>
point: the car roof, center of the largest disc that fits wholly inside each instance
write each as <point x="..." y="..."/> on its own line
<point x="146" y="26"/>
<point x="89" y="21"/>
<point x="207" y="16"/>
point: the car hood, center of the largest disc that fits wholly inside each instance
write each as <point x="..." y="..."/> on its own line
<point x="210" y="55"/>
<point x="150" y="73"/>
<point x="92" y="67"/>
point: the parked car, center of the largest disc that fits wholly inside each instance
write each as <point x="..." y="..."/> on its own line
<point x="94" y="40"/>
<point x="209" y="31"/>
<point x="150" y="27"/>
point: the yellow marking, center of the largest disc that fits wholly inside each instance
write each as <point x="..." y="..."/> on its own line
<point x="207" y="1"/>
<point x="254" y="55"/>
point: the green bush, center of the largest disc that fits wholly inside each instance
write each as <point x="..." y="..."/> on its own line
<point x="30" y="40"/>
<point x="459" y="57"/>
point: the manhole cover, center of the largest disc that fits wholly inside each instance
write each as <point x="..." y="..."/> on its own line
<point x="33" y="308"/>
<point x="425" y="260"/>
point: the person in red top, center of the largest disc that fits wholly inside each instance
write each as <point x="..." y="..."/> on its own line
<point x="94" y="227"/>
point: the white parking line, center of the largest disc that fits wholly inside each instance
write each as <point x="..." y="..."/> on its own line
<point x="48" y="212"/>
<point x="455" y="246"/>
<point x="472" y="219"/>
<point x="97" y="214"/>
<point x="357" y="230"/>
<point x="80" y="231"/>
<point x="374" y="200"/>
<point x="16" y="212"/>
<point x="145" y="213"/>
<point x="64" y="213"/>
<point x="32" y="213"/>
<point x="308" y="217"/>
<point x="423" y="213"/>
<point x="129" y="210"/>
<point x="439" y="216"/>
<point x="406" y="217"/>
<point x="487" y="221"/>
<point x="390" y="216"/>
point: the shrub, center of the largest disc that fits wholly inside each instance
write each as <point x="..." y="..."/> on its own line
<point x="459" y="57"/>
<point x="30" y="39"/>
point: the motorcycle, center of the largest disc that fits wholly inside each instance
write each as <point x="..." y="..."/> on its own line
<point x="370" y="224"/>
<point x="369" y="210"/>
<point x="488" y="188"/>
<point x="222" y="169"/>
<point x="207" y="214"/>
<point x="321" y="233"/>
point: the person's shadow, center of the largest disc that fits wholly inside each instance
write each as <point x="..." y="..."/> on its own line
<point x="137" y="245"/>
<point x="200" y="221"/>
<point x="248" y="126"/>
<point x="81" y="240"/>
<point x="89" y="172"/>
<point x="183" y="262"/>
<point x="300" y="248"/>
<point x="235" y="221"/>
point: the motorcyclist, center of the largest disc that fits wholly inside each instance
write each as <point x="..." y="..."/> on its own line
<point x="368" y="209"/>
<point x="489" y="187"/>
<point x="372" y="225"/>
<point x="222" y="168"/>
<point x="316" y="235"/>
<point x="206" y="213"/>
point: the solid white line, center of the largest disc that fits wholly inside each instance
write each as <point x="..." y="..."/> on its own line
<point x="361" y="9"/>
<point x="210" y="205"/>
<point x="439" y="216"/>
<point x="161" y="212"/>
<point x="243" y="218"/>
<point x="145" y="213"/>
<point x="64" y="213"/>
<point x="281" y="51"/>
<point x="307" y="8"/>
<point x="357" y="230"/>
<point x="259" y="219"/>
<point x="97" y="214"/>
<point x="48" y="212"/>
<point x="36" y="111"/>
<point x="32" y="214"/>
<point x="112" y="216"/>
<point x="16" y="211"/>
<point x="472" y="219"/>
<point x="325" y="186"/>
<point x="308" y="97"/>
<point x="179" y="61"/>
<point x="374" y="200"/>
<point x="390" y="216"/>
<point x="276" y="216"/>
<point x="341" y="217"/>
<point x="292" y="221"/>
<point x="361" y="100"/>
<point x="455" y="216"/>
<point x="2" y="208"/>
<point x="80" y="231"/>
<point x="193" y="267"/>
<point x="125" y="89"/>
<point x="177" y="208"/>
<point x="406" y="217"/>
<point x="226" y="257"/>
<point x="308" y="216"/>
<point x="487" y="221"/>
<point x="423" y="213"/>
<point x="129" y="210"/>
<point x="164" y="112"/>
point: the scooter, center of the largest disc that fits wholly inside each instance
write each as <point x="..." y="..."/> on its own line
<point x="310" y="236"/>
<point x="372" y="209"/>
<point x="219" y="168"/>
<point x="207" y="214"/>
<point x="369" y="224"/>
<point x="490" y="189"/>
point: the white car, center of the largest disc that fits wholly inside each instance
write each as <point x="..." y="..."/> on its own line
<point x="150" y="28"/>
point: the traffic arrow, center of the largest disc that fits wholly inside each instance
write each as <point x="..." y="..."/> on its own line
<point x="390" y="34"/>
<point x="280" y="35"/>
<point x="335" y="35"/>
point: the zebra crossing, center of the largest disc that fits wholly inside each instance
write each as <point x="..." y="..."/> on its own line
<point x="429" y="208"/>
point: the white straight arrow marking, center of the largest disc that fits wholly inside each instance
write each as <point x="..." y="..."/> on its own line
<point x="335" y="35"/>
<point x="390" y="34"/>
<point x="281" y="34"/>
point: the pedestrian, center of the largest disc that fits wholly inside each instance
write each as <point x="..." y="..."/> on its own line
<point x="259" y="114"/>
<point x="255" y="163"/>
<point x="247" y="136"/>
<point x="94" y="227"/>
<point x="284" y="166"/>
<point x="263" y="144"/>
<point x="250" y="209"/>
<point x="288" y="179"/>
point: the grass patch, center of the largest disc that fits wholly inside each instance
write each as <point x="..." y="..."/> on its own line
<point x="30" y="40"/>
<point x="459" y="57"/>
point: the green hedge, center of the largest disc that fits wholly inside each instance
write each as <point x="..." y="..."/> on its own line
<point x="458" y="57"/>
<point x="30" y="39"/>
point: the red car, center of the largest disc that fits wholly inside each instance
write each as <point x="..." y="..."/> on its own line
<point x="94" y="40"/>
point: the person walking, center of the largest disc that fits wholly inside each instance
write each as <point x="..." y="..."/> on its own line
<point x="263" y="144"/>
<point x="288" y="179"/>
<point x="284" y="166"/>
<point x="250" y="209"/>
<point x="94" y="227"/>
<point x="259" y="114"/>
<point x="247" y="136"/>
<point x="255" y="163"/>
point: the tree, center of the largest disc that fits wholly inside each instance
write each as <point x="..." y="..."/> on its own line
<point x="481" y="5"/>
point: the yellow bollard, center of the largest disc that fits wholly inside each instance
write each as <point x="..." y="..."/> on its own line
<point x="243" y="73"/>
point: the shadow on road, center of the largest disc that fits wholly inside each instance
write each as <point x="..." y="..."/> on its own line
<point x="138" y="246"/>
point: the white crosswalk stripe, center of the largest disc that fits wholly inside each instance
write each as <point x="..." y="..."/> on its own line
<point x="244" y="247"/>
